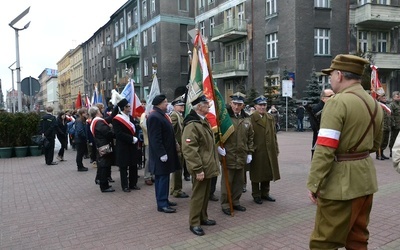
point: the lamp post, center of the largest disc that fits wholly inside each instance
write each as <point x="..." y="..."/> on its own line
<point x="12" y="82"/>
<point x="18" y="68"/>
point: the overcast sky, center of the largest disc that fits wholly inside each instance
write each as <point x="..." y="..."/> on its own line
<point x="55" y="28"/>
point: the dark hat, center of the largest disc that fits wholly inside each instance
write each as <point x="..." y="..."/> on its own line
<point x="238" y="97"/>
<point x="260" y="100"/>
<point x="178" y="101"/>
<point x="158" y="99"/>
<point x="121" y="104"/>
<point x="348" y="63"/>
<point x="199" y="99"/>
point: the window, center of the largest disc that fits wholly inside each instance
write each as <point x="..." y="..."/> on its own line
<point x="108" y="62"/>
<point x="383" y="2"/>
<point x="202" y="29"/>
<point x="184" y="64"/>
<point x="129" y="17"/>
<point x="153" y="34"/>
<point x="272" y="44"/>
<point x="211" y="1"/>
<point x="183" y="5"/>
<point x="144" y="9"/>
<point x="116" y="30"/>
<point x="201" y="4"/>
<point x="212" y="58"/>
<point x="362" y="2"/>
<point x="212" y="25"/>
<point x="270" y="7"/>
<point x="229" y="18"/>
<point x="382" y="41"/>
<point x="108" y="40"/>
<point x="228" y="53"/>
<point x="153" y="60"/>
<point x="322" y="42"/>
<point x="183" y="33"/>
<point x="121" y="26"/>
<point x="274" y="80"/>
<point x="153" y="6"/>
<point x="116" y="52"/>
<point x="322" y="3"/>
<point x="241" y="55"/>
<point x="135" y="16"/>
<point x="362" y="41"/>
<point x="144" y="38"/>
<point x="324" y="81"/>
<point x="103" y="59"/>
<point x="145" y="68"/>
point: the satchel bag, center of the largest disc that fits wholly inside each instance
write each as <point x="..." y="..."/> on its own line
<point x="103" y="150"/>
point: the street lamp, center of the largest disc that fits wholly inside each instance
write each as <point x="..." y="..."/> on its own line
<point x="12" y="81"/>
<point x="18" y="68"/>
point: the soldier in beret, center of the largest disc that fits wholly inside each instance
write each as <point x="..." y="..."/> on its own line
<point x="342" y="178"/>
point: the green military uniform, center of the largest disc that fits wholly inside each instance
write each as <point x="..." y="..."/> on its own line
<point x="387" y="124"/>
<point x="176" y="178"/>
<point x="264" y="167"/>
<point x="340" y="184"/>
<point x="238" y="146"/>
<point x="199" y="151"/>
<point x="395" y="108"/>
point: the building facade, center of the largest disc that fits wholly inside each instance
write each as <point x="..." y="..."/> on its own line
<point x="66" y="99"/>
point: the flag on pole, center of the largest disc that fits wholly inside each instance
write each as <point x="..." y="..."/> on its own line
<point x="99" y="97"/>
<point x="87" y="102"/>
<point x="129" y="94"/>
<point x="201" y="80"/>
<point x="78" y="102"/>
<point x="154" y="91"/>
<point x="376" y="86"/>
<point x="95" y="95"/>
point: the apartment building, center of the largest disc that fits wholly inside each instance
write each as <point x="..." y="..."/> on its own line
<point x="66" y="100"/>
<point x="374" y="31"/>
<point x="250" y="41"/>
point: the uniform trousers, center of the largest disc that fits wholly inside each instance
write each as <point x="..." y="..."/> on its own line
<point x="236" y="180"/>
<point x="342" y="224"/>
<point x="49" y="151"/>
<point x="176" y="183"/>
<point x="103" y="169"/>
<point x="199" y="201"/>
<point x="133" y="175"/>
<point x="80" y="151"/>
<point x="161" y="184"/>
<point x="259" y="189"/>
<point x="393" y="136"/>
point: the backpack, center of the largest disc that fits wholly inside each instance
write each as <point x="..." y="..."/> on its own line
<point x="71" y="127"/>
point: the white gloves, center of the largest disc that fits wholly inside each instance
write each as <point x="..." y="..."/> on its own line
<point x="164" y="158"/>
<point x="221" y="151"/>
<point x="249" y="159"/>
<point x="135" y="140"/>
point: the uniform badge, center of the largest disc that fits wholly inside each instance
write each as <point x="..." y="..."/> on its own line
<point x="188" y="140"/>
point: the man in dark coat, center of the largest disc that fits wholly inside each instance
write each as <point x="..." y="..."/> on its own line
<point x="163" y="156"/>
<point x="126" y="147"/>
<point x="48" y="129"/>
<point x="80" y="138"/>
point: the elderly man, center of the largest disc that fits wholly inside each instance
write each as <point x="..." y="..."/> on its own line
<point x="342" y="177"/>
<point x="199" y="151"/>
<point x="163" y="156"/>
<point x="264" y="166"/>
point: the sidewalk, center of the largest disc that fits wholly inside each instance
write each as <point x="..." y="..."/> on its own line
<point x="56" y="207"/>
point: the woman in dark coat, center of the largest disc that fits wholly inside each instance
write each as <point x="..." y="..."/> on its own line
<point x="62" y="134"/>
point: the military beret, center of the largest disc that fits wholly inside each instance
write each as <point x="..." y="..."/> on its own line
<point x="260" y="100"/>
<point x="158" y="99"/>
<point x="348" y="63"/>
<point x="238" y="97"/>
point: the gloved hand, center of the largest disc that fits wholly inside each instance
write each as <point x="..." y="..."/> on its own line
<point x="249" y="159"/>
<point x="135" y="139"/>
<point x="164" y="158"/>
<point x="221" y="151"/>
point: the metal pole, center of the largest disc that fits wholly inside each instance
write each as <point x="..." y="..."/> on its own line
<point x="30" y="93"/>
<point x="286" y="113"/>
<point x="18" y="72"/>
<point x="12" y="90"/>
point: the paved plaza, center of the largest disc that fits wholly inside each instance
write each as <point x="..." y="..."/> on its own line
<point x="56" y="207"/>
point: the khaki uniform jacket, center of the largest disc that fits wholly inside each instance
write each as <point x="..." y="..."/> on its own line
<point x="198" y="146"/>
<point x="395" y="108"/>
<point x="264" y="166"/>
<point x="240" y="142"/>
<point x="346" y="116"/>
<point x="177" y="123"/>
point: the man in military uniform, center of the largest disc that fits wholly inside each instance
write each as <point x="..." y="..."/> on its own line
<point x="395" y="108"/>
<point x="264" y="166"/>
<point x="342" y="177"/>
<point x="387" y="121"/>
<point x="199" y="151"/>
<point x="177" y="123"/>
<point x="238" y="150"/>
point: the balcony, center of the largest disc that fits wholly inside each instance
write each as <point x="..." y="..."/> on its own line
<point x="377" y="16"/>
<point x="386" y="60"/>
<point x="228" y="31"/>
<point x="230" y="69"/>
<point x="129" y="55"/>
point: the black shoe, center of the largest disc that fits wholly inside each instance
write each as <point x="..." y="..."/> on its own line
<point x="213" y="198"/>
<point x="239" y="208"/>
<point x="268" y="198"/>
<point x="126" y="190"/>
<point x="384" y="157"/>
<point x="97" y="182"/>
<point x="380" y="158"/>
<point x="181" y="195"/>
<point x="197" y="230"/>
<point x="208" y="223"/>
<point x="244" y="190"/>
<point x="108" y="190"/>
<point x="110" y="179"/>
<point x="82" y="169"/>
<point x="172" y="204"/>
<point x="187" y="178"/>
<point x="226" y="211"/>
<point x="167" y="210"/>
<point x="52" y="163"/>
<point x="134" y="188"/>
<point x="258" y="200"/>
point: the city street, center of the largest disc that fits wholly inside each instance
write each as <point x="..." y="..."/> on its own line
<point x="56" y="207"/>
